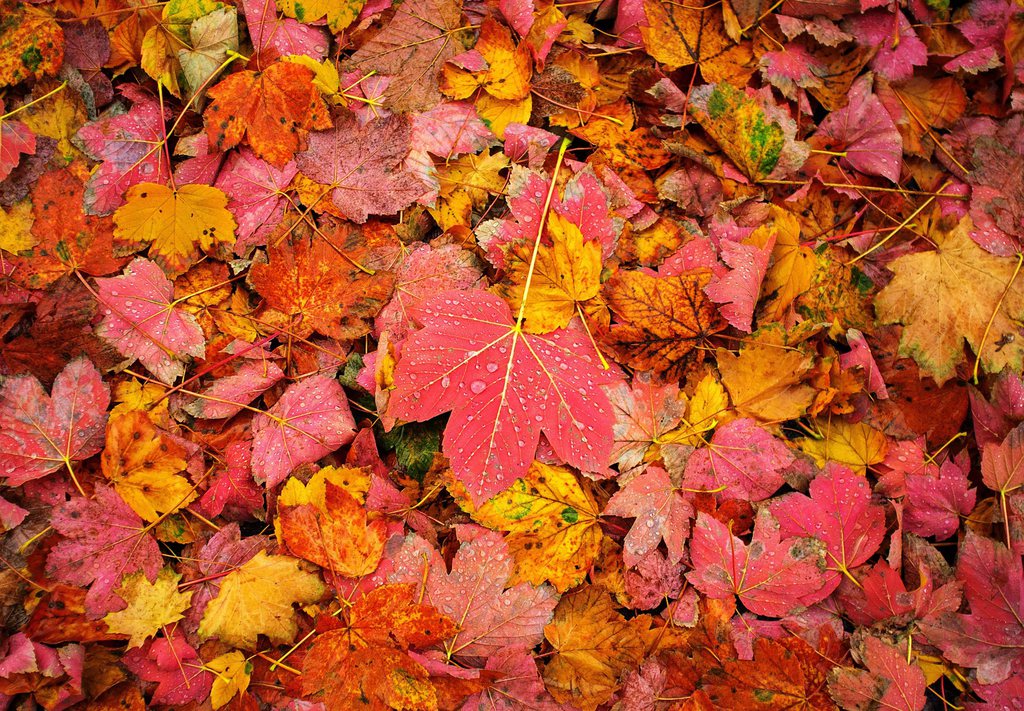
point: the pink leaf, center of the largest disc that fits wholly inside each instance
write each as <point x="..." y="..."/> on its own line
<point x="883" y="595"/>
<point x="738" y="289"/>
<point x="937" y="499"/>
<point x="42" y="433"/>
<point x="233" y="487"/>
<point x="771" y="577"/>
<point x="585" y="204"/>
<point x="519" y="685"/>
<point x="15" y="138"/>
<point x="274" y="36"/>
<point x="450" y="129"/>
<point x="743" y="458"/>
<point x="890" y="682"/>
<point x="176" y="668"/>
<point x="142" y="323"/>
<point x="643" y="412"/>
<point x="1002" y="465"/>
<point x="228" y="395"/>
<point x="661" y="513"/>
<point x="361" y="163"/>
<point x="864" y="130"/>
<point x="104" y="540"/>
<point x="255" y="196"/>
<point x="129" y="145"/>
<point x="503" y="387"/>
<point x="899" y="48"/>
<point x="492" y="618"/>
<point x="840" y="513"/>
<point x="860" y="356"/>
<point x="653" y="580"/>
<point x="312" y="419"/>
<point x="990" y="638"/>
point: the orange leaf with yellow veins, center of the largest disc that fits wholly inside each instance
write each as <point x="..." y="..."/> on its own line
<point x="176" y="224"/>
<point x="593" y="645"/>
<point x="566" y="278"/>
<point x="310" y="286"/>
<point x="145" y="466"/>
<point x="338" y="537"/>
<point x="766" y="382"/>
<point x="552" y="524"/>
<point x="661" y="321"/>
<point x="680" y="35"/>
<point x="272" y="110"/>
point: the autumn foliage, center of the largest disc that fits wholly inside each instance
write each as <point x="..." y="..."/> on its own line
<point x="635" y="355"/>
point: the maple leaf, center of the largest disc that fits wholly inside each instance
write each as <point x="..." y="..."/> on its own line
<point x="15" y="139"/>
<point x="662" y="320"/>
<point x="644" y="412"/>
<point x="504" y="387"/>
<point x="783" y="674"/>
<point x="359" y="165"/>
<point x="151" y="606"/>
<point x="273" y="110"/>
<point x="257" y="598"/>
<point x="228" y="395"/>
<point x="852" y="444"/>
<point x="175" y="223"/>
<point x="565" y="278"/>
<point x="737" y="290"/>
<point x="954" y="293"/>
<point x="1002" y="465"/>
<point x="255" y="191"/>
<point x="41" y="433"/>
<point x="104" y="540"/>
<point x="130" y="147"/>
<point x="144" y="464"/>
<point x="772" y="576"/>
<point x="742" y="460"/>
<point x="339" y="15"/>
<point x="838" y="512"/>
<point x="989" y="637"/>
<point x="213" y="37"/>
<point x="232" y="672"/>
<point x="552" y="524"/>
<point x="593" y="645"/>
<point x="661" y="513"/>
<point x="336" y="536"/>
<point x="274" y="36"/>
<point x="490" y="616"/>
<point x="176" y="668"/>
<point x="311" y="419"/>
<point x="680" y="36"/>
<point x="143" y="322"/>
<point x="756" y="134"/>
<point x="411" y="49"/>
<point x="31" y="43"/>
<point x="68" y="239"/>
<point x="311" y="284"/>
<point x="889" y="680"/>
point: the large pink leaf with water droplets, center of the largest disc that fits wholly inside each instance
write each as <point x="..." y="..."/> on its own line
<point x="104" y="540"/>
<point x="255" y="191"/>
<point x="661" y="513"/>
<point x="772" y="576"/>
<point x="41" y="433"/>
<point x="504" y="388"/>
<point x="889" y="682"/>
<point x="899" y="47"/>
<point x="491" y="618"/>
<point x="141" y="322"/>
<point x="311" y="420"/>
<point x="991" y="637"/>
<point x="866" y="133"/>
<point x="839" y="512"/>
<point x="129" y="145"/>
<point x="743" y="458"/>
<point x="274" y="36"/>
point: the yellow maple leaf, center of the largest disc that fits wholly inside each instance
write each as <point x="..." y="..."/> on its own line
<point x="58" y="117"/>
<point x="792" y="264"/>
<point x="507" y="71"/>
<point x="176" y="224"/>
<point x="151" y="606"/>
<point x="766" y="381"/>
<point x="552" y="523"/>
<point x="257" y="599"/>
<point x="566" y="277"/>
<point x="339" y="13"/>
<point x="854" y="445"/>
<point x="680" y="35"/>
<point x="354" y="480"/>
<point x="144" y="466"/>
<point x="232" y="672"/>
<point x="954" y="293"/>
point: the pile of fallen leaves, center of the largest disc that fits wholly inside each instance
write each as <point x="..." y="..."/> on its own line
<point x="512" y="354"/>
